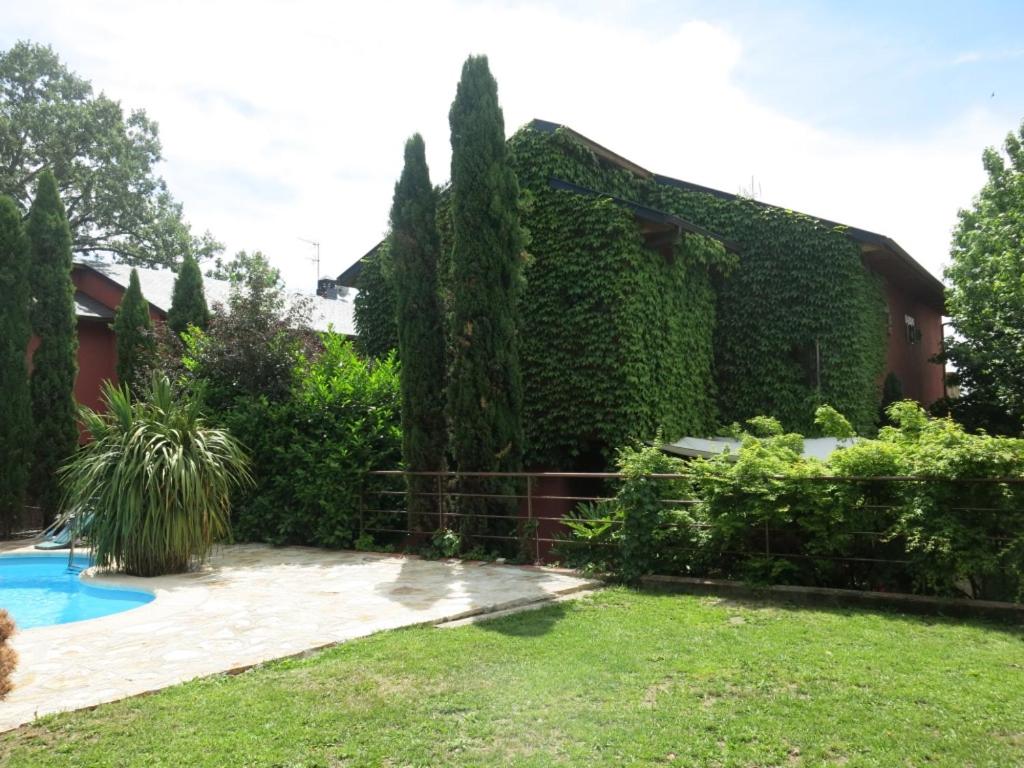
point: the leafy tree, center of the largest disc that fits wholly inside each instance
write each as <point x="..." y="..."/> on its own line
<point x="242" y="266"/>
<point x="374" y="305"/>
<point x="136" y="345"/>
<point x="188" y="301"/>
<point x="252" y="345"/>
<point x="54" y="364"/>
<point x="103" y="161"/>
<point x="986" y="300"/>
<point x="414" y="252"/>
<point x="15" y="330"/>
<point x="485" y="391"/>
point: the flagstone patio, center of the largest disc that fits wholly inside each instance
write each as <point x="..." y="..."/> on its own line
<point x="251" y="604"/>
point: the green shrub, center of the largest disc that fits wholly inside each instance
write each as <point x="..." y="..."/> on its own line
<point x="768" y="514"/>
<point x="594" y="537"/>
<point x="641" y="500"/>
<point x="626" y="535"/>
<point x="763" y="493"/>
<point x="312" y="448"/>
<point x="157" y="479"/>
<point x="959" y="536"/>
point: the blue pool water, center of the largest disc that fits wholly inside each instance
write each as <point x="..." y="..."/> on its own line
<point x="39" y="590"/>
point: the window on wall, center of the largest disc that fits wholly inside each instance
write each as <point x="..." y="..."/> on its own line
<point x="913" y="332"/>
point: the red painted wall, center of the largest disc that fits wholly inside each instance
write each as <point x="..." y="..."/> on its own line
<point x="97" y="360"/>
<point x="922" y="380"/>
<point x="97" y="348"/>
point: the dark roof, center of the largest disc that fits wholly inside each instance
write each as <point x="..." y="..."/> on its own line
<point x="350" y="276"/>
<point x="643" y="212"/>
<point x="87" y="306"/>
<point x="881" y="253"/>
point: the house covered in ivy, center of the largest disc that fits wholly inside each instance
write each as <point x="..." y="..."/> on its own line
<point x="654" y="303"/>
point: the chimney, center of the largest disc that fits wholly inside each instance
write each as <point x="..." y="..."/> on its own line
<point x="327" y="288"/>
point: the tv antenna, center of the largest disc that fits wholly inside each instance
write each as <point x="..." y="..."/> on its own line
<point x="316" y="258"/>
<point x="754" y="193"/>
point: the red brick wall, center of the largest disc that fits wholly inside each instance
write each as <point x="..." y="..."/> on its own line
<point x="922" y="380"/>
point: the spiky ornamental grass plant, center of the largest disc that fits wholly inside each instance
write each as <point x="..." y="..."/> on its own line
<point x="157" y="480"/>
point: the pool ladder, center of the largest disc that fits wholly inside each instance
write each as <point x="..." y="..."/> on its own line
<point x="72" y="568"/>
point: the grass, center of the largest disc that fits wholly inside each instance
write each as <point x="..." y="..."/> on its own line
<point x="617" y="679"/>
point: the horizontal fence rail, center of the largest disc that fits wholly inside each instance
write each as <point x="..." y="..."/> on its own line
<point x="1012" y="480"/>
<point x="543" y="500"/>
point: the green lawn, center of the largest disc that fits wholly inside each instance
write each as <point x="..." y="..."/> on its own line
<point x="617" y="679"/>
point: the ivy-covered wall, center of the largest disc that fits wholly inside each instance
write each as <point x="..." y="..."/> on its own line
<point x="616" y="338"/>
<point x="799" y="322"/>
<point x="375" y="305"/>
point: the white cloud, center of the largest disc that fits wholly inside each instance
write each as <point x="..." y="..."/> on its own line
<point x="973" y="57"/>
<point x="283" y="121"/>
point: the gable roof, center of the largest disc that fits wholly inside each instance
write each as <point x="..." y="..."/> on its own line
<point x="158" y="289"/>
<point x="350" y="276"/>
<point x="880" y="253"/>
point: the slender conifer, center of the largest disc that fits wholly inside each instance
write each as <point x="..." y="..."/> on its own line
<point x="188" y="302"/>
<point x="485" y="390"/>
<point x="414" y="251"/>
<point x="54" y="363"/>
<point x="15" y="330"/>
<point x="136" y="345"/>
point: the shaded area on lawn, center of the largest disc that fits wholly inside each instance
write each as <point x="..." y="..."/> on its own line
<point x="620" y="678"/>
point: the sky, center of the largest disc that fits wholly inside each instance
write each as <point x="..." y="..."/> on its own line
<point x="285" y="121"/>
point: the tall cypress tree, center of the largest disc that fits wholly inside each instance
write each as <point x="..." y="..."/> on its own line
<point x="414" y="250"/>
<point x="485" y="390"/>
<point x="188" y="302"/>
<point x="54" y="364"/>
<point x="133" y="329"/>
<point x="15" y="330"/>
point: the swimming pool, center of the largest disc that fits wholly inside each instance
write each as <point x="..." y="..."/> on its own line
<point x="39" y="590"/>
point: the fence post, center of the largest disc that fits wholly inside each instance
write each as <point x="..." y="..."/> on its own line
<point x="438" y="483"/>
<point x="362" y="511"/>
<point x="530" y="521"/>
<point x="442" y="489"/>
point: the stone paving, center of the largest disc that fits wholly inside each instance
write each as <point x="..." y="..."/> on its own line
<point x="250" y="604"/>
